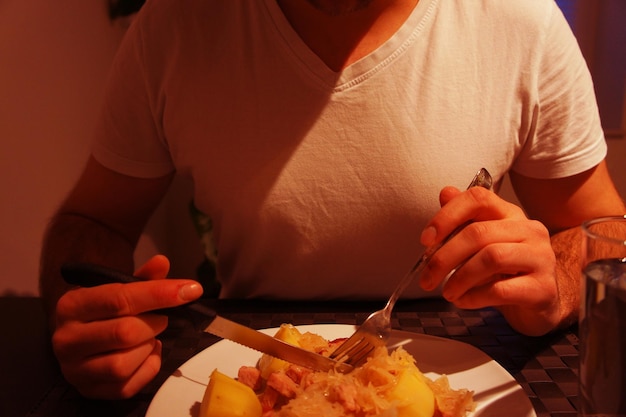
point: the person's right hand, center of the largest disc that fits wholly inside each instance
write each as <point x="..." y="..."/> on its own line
<point x="105" y="337"/>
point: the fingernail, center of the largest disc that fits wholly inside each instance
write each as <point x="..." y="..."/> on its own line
<point x="428" y="236"/>
<point x="190" y="292"/>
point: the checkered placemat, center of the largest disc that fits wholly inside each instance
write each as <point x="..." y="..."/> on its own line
<point x="545" y="367"/>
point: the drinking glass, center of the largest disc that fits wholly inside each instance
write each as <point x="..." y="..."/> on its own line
<point x="602" y="329"/>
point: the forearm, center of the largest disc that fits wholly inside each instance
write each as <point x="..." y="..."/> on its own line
<point x="71" y="237"/>
<point x="567" y="248"/>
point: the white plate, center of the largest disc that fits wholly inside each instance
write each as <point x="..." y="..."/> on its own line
<point x="496" y="393"/>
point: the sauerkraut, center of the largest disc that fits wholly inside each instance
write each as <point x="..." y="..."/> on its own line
<point x="389" y="384"/>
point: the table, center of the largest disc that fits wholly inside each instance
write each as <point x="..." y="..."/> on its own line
<point x="32" y="385"/>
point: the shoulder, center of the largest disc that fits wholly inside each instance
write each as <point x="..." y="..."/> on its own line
<point x="168" y="13"/>
<point x="533" y="12"/>
<point x="513" y="15"/>
<point x="161" y="16"/>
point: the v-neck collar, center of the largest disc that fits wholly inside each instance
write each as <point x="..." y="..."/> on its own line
<point x="360" y="70"/>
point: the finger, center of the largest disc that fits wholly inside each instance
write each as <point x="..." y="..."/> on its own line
<point x="156" y="267"/>
<point x="475" y="204"/>
<point x="491" y="263"/>
<point x="460" y="248"/>
<point x="108" y="377"/>
<point x="81" y="340"/>
<point x="447" y="194"/>
<point x="116" y="366"/>
<point x="115" y="300"/>
<point x="483" y="295"/>
<point x="146" y="373"/>
<point x="500" y="246"/>
<point x="525" y="292"/>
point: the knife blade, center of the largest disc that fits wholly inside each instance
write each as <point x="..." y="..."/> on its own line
<point x="86" y="274"/>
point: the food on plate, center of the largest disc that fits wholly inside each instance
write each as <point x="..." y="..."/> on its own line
<point x="227" y="397"/>
<point x="389" y="384"/>
<point x="289" y="334"/>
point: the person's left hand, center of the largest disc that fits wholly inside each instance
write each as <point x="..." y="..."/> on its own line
<point x="502" y="259"/>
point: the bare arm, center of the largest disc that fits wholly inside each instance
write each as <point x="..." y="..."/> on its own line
<point x="105" y="337"/>
<point x="562" y="205"/>
<point x="528" y="268"/>
<point x="100" y="221"/>
<point x="74" y="237"/>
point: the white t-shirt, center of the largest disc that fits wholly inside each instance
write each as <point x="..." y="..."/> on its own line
<point x="319" y="182"/>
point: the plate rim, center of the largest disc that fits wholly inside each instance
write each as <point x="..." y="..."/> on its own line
<point x="513" y="388"/>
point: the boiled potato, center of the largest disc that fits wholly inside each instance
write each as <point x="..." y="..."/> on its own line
<point x="227" y="397"/>
<point x="414" y="397"/>
<point x="268" y="364"/>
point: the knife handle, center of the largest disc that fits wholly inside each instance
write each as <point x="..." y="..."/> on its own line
<point x="87" y="274"/>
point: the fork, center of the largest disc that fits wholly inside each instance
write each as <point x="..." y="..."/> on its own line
<point x="375" y="330"/>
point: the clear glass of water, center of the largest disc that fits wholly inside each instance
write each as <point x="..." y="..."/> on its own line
<point x="602" y="329"/>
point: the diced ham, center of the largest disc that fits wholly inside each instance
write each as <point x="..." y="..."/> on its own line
<point x="296" y="373"/>
<point x="282" y="383"/>
<point x="250" y="376"/>
<point x="268" y="399"/>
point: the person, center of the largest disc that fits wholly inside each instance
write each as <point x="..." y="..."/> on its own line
<point x="318" y="135"/>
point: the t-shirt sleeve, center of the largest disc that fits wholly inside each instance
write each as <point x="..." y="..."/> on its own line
<point x="568" y="136"/>
<point x="129" y="137"/>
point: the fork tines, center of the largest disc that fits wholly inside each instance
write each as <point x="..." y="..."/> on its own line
<point x="357" y="348"/>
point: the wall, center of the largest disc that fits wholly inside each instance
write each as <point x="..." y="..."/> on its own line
<point x="599" y="27"/>
<point x="55" y="57"/>
<point x="53" y="64"/>
<point x="54" y="60"/>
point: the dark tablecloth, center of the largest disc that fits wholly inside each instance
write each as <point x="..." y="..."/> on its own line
<point x="32" y="385"/>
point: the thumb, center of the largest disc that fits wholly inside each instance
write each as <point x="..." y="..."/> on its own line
<point x="156" y="267"/>
<point x="447" y="194"/>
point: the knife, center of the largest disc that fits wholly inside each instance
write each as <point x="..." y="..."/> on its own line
<point x="90" y="275"/>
